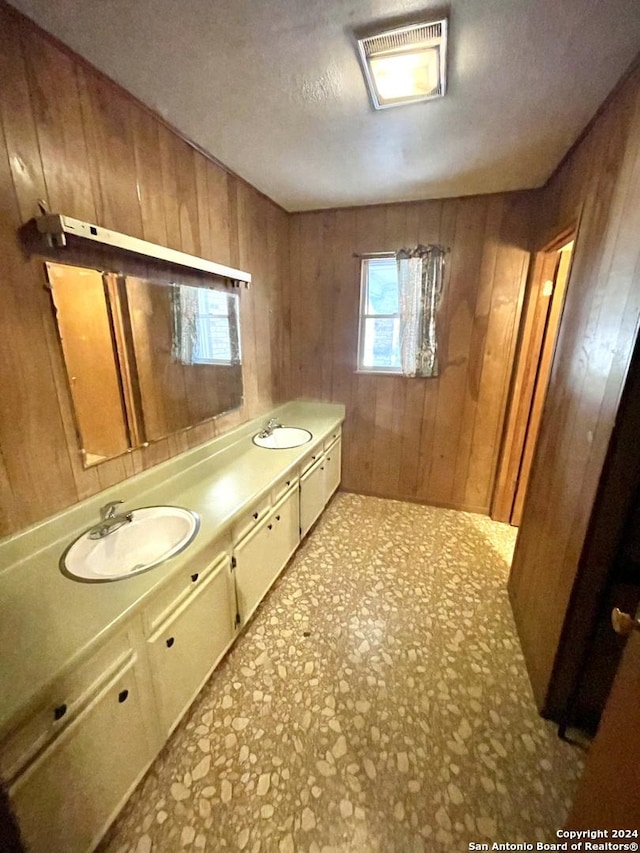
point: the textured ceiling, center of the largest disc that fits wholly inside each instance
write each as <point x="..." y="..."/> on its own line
<point x="273" y="89"/>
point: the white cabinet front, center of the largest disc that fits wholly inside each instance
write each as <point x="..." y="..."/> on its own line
<point x="261" y="556"/>
<point x="317" y="485"/>
<point x="188" y="645"/>
<point x="332" y="466"/>
<point x="66" y="798"/>
<point x="312" y="496"/>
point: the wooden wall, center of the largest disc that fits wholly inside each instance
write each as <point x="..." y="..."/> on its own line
<point x="432" y="440"/>
<point x="600" y="182"/>
<point x="74" y="139"/>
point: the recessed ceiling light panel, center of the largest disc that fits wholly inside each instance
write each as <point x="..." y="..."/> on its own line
<point x="405" y="64"/>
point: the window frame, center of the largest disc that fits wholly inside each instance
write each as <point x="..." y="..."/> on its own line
<point x="363" y="316"/>
<point x="213" y="316"/>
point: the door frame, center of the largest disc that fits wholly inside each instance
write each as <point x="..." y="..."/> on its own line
<point x="530" y="352"/>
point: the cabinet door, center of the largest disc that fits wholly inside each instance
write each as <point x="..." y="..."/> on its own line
<point x="256" y="566"/>
<point x="332" y="466"/>
<point x="312" y="495"/>
<point x="68" y="796"/>
<point x="188" y="645"/>
<point x="286" y="529"/>
<point x="262" y="555"/>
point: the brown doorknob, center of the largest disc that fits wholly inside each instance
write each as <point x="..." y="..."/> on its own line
<point x="623" y="623"/>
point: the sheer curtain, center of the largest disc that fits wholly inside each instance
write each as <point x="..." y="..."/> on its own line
<point x="184" y="304"/>
<point x="420" y="275"/>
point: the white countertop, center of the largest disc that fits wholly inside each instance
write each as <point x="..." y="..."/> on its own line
<point x="47" y="619"/>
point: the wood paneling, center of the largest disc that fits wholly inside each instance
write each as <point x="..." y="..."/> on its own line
<point x="601" y="181"/>
<point x="74" y="139"/>
<point x="430" y="440"/>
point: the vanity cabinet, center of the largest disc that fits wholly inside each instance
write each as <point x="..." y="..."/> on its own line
<point x="262" y="554"/>
<point x="65" y="798"/>
<point x="318" y="483"/>
<point x="186" y="646"/>
<point x="73" y="752"/>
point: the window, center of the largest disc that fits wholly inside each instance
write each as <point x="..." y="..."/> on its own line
<point x="399" y="301"/>
<point x="379" y="340"/>
<point x="213" y="333"/>
<point x="205" y="326"/>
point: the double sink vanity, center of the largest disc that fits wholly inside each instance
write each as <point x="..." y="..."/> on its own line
<point x="111" y="626"/>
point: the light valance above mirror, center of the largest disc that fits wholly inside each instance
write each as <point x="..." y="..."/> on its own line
<point x="56" y="227"/>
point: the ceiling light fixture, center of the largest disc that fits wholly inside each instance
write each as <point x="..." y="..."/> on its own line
<point x="405" y="64"/>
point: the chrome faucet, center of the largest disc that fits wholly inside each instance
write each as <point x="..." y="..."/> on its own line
<point x="110" y="520"/>
<point x="269" y="427"/>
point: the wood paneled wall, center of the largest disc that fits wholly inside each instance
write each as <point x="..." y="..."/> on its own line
<point x="432" y="440"/>
<point x="91" y="151"/>
<point x="600" y="183"/>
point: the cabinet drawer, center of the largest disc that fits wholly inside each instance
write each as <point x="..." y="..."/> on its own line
<point x="333" y="436"/>
<point x="250" y="519"/>
<point x="61" y="702"/>
<point x="180" y="587"/>
<point x="68" y="796"/>
<point x="310" y="459"/>
<point x="190" y="643"/>
<point x="287" y="482"/>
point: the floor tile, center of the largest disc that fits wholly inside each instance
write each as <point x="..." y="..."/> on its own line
<point x="378" y="701"/>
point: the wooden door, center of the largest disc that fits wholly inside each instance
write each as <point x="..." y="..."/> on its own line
<point x="609" y="793"/>
<point x="541" y="320"/>
<point x="555" y="302"/>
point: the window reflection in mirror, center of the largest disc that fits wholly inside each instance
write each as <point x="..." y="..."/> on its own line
<point x="143" y="359"/>
<point x="186" y="351"/>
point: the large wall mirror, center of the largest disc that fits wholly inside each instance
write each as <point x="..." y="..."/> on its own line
<point x="144" y="359"/>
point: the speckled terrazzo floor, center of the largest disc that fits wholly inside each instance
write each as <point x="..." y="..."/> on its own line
<point x="377" y="702"/>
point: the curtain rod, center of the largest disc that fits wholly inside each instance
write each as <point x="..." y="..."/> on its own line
<point x="374" y="255"/>
<point x="392" y="253"/>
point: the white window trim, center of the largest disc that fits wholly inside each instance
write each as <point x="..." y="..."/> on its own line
<point x="213" y="315"/>
<point x="362" y="317"/>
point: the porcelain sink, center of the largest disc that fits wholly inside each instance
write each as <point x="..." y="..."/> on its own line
<point x="283" y="437"/>
<point x="154" y="534"/>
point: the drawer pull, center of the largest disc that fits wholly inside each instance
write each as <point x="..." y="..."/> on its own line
<point x="313" y="458"/>
<point x="328" y="459"/>
<point x="270" y="526"/>
<point x="170" y="641"/>
<point x="59" y="712"/>
<point x="122" y="696"/>
<point x="277" y="518"/>
<point x="288" y="482"/>
<point x="194" y="577"/>
<point x="255" y="514"/>
<point x="322" y="467"/>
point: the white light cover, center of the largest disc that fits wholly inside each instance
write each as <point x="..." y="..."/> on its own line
<point x="413" y="74"/>
<point x="405" y="64"/>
